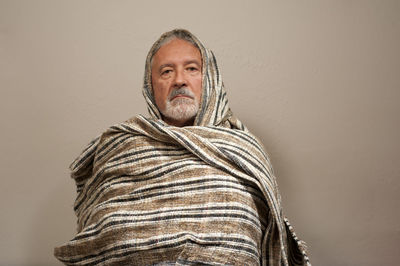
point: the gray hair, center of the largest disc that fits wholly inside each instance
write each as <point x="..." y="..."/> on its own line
<point x="169" y="36"/>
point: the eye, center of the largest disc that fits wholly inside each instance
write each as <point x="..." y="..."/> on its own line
<point x="192" y="69"/>
<point x="166" y="72"/>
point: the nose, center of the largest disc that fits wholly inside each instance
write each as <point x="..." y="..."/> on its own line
<point x="180" y="79"/>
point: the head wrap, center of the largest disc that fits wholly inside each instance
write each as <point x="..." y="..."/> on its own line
<point x="214" y="108"/>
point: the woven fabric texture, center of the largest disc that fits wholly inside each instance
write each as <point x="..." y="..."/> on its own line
<point x="153" y="194"/>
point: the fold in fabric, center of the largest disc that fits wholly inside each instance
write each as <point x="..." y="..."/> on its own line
<point x="149" y="193"/>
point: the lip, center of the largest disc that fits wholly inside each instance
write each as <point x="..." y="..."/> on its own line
<point x="181" y="96"/>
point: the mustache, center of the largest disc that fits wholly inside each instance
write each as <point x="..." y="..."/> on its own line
<point x="181" y="91"/>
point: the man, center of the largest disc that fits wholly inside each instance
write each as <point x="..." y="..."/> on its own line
<point x="188" y="186"/>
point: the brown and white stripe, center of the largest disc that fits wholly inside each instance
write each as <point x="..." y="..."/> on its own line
<point x="153" y="194"/>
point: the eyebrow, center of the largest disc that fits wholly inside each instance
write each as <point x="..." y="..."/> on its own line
<point x="188" y="62"/>
<point x="165" y="65"/>
<point x="191" y="62"/>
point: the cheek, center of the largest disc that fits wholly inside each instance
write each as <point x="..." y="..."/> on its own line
<point x="160" y="93"/>
<point x="198" y="87"/>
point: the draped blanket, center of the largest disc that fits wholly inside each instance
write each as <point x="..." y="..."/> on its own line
<point x="152" y="194"/>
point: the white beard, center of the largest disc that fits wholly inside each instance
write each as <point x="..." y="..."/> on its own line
<point x="181" y="109"/>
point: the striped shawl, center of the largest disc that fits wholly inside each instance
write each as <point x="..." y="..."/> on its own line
<point x="153" y="194"/>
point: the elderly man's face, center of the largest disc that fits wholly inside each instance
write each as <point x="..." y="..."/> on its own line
<point x="177" y="81"/>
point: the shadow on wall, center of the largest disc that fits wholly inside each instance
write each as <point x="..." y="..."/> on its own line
<point x="53" y="225"/>
<point x="293" y="195"/>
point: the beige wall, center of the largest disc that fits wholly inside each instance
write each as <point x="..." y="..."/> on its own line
<point x="317" y="81"/>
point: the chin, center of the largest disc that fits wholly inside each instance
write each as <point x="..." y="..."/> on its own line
<point x="181" y="113"/>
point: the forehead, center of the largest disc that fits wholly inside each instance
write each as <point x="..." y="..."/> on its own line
<point x="175" y="51"/>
